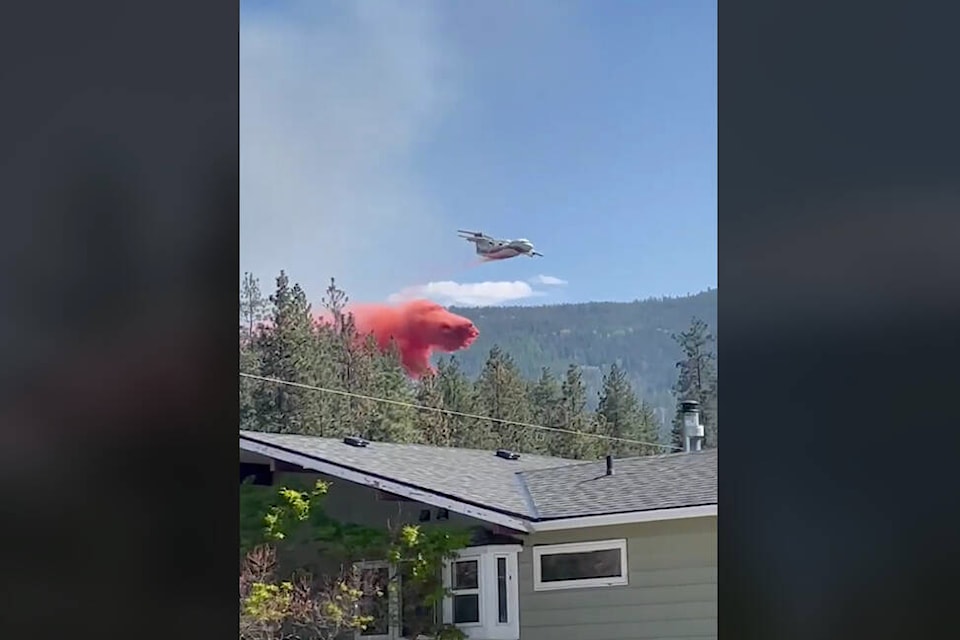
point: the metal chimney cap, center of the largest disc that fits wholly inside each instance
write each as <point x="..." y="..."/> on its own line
<point x="689" y="406"/>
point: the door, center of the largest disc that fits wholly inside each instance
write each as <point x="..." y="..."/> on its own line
<point x="383" y="609"/>
<point x="396" y="614"/>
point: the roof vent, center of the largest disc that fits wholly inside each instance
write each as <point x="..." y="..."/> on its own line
<point x="355" y="441"/>
<point x="506" y="454"/>
<point x="609" y="465"/>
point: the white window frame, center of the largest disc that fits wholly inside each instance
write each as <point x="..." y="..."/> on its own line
<point x="393" y="605"/>
<point x="489" y="627"/>
<point x="539" y="551"/>
<point x="476" y="591"/>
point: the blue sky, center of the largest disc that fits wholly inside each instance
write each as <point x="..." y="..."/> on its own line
<point x="372" y="130"/>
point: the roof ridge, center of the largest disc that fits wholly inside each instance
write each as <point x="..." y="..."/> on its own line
<point x="526" y="495"/>
<point x="255" y="434"/>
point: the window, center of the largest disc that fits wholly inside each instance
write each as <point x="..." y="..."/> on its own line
<point x="502" y="607"/>
<point x="465" y="585"/>
<point x="579" y="565"/>
<point x="483" y="596"/>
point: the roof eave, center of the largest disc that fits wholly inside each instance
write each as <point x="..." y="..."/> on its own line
<point x="629" y="517"/>
<point x="384" y="484"/>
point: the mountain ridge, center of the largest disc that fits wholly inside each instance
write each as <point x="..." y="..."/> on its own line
<point x="636" y="335"/>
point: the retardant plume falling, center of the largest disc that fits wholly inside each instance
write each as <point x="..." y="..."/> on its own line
<point x="419" y="327"/>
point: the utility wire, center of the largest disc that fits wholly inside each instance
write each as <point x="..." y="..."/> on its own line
<point x="450" y="412"/>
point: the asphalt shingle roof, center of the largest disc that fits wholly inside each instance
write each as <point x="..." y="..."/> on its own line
<point x="534" y="487"/>
<point x="472" y="475"/>
<point x="637" y="484"/>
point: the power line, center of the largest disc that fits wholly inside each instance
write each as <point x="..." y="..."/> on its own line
<point x="451" y="412"/>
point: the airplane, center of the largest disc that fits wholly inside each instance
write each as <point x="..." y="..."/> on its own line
<point x="496" y="249"/>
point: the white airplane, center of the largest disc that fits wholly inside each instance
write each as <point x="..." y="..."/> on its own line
<point x="496" y="249"/>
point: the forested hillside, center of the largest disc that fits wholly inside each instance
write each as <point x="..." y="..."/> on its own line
<point x="594" y="335"/>
<point x="592" y="378"/>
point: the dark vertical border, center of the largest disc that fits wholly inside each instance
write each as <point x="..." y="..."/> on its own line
<point x="119" y="246"/>
<point x="839" y="220"/>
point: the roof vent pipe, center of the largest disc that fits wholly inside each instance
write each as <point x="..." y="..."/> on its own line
<point x="692" y="429"/>
<point x="609" y="465"/>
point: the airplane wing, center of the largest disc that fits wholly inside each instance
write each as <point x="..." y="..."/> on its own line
<point x="535" y="253"/>
<point x="473" y="235"/>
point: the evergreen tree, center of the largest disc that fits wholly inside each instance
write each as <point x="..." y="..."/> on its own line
<point x="457" y="394"/>
<point x="331" y="355"/>
<point x="501" y="394"/>
<point x="435" y="428"/>
<point x="573" y="415"/>
<point x="286" y="349"/>
<point x="622" y="415"/>
<point x="249" y="363"/>
<point x="354" y="361"/>
<point x="335" y="302"/>
<point x="545" y="396"/>
<point x="253" y="310"/>
<point x="253" y="307"/>
<point x="696" y="380"/>
<point x="389" y="421"/>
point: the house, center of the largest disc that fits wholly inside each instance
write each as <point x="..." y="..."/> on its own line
<point x="612" y="550"/>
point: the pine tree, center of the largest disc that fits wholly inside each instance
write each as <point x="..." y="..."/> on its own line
<point x="622" y="415"/>
<point x="253" y="307"/>
<point x="389" y="421"/>
<point x="545" y="395"/>
<point x="696" y="380"/>
<point x="573" y="415"/>
<point x="286" y="349"/>
<point x="457" y="393"/>
<point x="253" y="310"/>
<point x="502" y="394"/>
<point x="435" y="428"/>
<point x="249" y="363"/>
<point x="354" y="362"/>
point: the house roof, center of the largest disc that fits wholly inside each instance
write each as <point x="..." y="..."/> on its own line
<point x="638" y="484"/>
<point x="471" y="475"/>
<point x="532" y="488"/>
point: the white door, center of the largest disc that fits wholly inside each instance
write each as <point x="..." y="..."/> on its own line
<point x="383" y="609"/>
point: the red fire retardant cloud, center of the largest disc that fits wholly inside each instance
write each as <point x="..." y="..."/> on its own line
<point x="418" y="327"/>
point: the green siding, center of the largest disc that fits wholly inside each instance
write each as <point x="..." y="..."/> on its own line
<point x="672" y="590"/>
<point x="358" y="504"/>
<point x="672" y="569"/>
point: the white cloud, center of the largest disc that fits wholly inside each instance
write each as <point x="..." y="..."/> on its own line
<point x="336" y="101"/>
<point x="475" y="294"/>
<point x="548" y="280"/>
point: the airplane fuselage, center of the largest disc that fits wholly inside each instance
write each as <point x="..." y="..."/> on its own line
<point x="500" y="253"/>
<point x="501" y="250"/>
<point x="494" y="249"/>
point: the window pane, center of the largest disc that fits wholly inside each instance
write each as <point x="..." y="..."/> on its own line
<point x="466" y="608"/>
<point x="502" y="589"/>
<point x="557" y="567"/>
<point x="465" y="574"/>
<point x="376" y="606"/>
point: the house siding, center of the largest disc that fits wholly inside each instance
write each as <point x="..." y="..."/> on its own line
<point x="357" y="504"/>
<point x="671" y="591"/>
